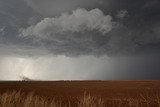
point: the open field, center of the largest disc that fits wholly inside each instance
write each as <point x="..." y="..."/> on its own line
<point x="81" y="93"/>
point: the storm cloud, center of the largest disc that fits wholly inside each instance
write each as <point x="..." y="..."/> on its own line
<point x="72" y="33"/>
<point x="89" y="39"/>
<point x="80" y="20"/>
<point x="98" y="28"/>
<point x="83" y="32"/>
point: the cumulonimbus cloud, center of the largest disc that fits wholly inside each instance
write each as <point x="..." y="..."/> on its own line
<point x="80" y="20"/>
<point x="81" y="32"/>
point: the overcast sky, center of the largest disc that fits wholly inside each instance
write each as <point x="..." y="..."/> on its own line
<point x="79" y="39"/>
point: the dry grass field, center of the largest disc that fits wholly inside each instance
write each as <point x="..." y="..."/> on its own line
<point x="80" y="94"/>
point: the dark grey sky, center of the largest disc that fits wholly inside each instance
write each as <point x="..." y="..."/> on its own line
<point x="79" y="39"/>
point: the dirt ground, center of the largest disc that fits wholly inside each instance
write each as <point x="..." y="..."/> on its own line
<point x="72" y="89"/>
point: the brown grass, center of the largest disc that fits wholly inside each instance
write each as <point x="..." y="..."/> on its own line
<point x="80" y="94"/>
<point x="20" y="99"/>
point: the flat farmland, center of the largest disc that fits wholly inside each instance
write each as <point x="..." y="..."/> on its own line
<point x="122" y="93"/>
